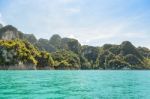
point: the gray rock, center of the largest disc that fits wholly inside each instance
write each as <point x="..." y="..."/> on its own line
<point x="8" y="33"/>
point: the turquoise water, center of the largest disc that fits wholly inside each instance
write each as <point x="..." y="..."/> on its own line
<point x="74" y="84"/>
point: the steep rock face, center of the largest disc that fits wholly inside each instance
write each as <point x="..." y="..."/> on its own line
<point x="8" y="33"/>
<point x="74" y="46"/>
<point x="144" y="51"/>
<point x="71" y="44"/>
<point x="90" y="52"/>
<point x="30" y="37"/>
<point x="128" y="48"/>
<point x="55" y="40"/>
<point x="44" y="45"/>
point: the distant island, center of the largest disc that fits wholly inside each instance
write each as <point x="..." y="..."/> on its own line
<point x="20" y="51"/>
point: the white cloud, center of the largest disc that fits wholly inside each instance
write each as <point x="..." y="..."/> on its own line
<point x="1" y="20"/>
<point x="67" y="1"/>
<point x="134" y="34"/>
<point x="71" y="36"/>
<point x="72" y="19"/>
<point x="72" y="10"/>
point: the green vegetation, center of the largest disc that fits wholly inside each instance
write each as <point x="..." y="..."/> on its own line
<point x="15" y="52"/>
<point x="66" y="59"/>
<point x="19" y="49"/>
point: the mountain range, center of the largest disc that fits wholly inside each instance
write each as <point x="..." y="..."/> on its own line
<point x="24" y="51"/>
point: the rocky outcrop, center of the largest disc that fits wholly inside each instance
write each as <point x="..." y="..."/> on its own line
<point x="8" y="33"/>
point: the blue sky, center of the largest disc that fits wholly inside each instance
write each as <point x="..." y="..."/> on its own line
<point x="92" y="22"/>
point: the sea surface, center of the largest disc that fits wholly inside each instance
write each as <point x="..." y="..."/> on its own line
<point x="75" y="84"/>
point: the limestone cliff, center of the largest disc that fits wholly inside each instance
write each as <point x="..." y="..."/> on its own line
<point x="8" y="33"/>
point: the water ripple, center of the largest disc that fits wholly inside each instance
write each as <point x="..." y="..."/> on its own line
<point x="74" y="84"/>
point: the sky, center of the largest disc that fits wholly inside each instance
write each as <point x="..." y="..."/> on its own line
<point x="92" y="22"/>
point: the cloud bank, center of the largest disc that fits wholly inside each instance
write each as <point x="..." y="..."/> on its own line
<point x="1" y="20"/>
<point x="91" y="22"/>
